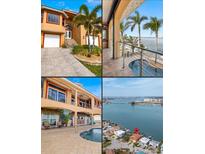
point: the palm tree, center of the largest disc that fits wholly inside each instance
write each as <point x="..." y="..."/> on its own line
<point x="97" y="28"/>
<point x="133" y="41"/>
<point x="87" y="19"/>
<point x="154" y="25"/>
<point x="134" y="21"/>
<point x="123" y="28"/>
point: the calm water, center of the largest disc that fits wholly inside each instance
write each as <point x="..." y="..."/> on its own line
<point x="150" y="43"/>
<point x="148" y="118"/>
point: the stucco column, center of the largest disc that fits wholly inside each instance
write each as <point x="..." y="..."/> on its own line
<point x="75" y="120"/>
<point x="76" y="98"/>
<point x="92" y="102"/>
<point x="92" y="119"/>
<point x="116" y="37"/>
<point x="68" y="101"/>
<point x="44" y="88"/>
<point x="44" y="16"/>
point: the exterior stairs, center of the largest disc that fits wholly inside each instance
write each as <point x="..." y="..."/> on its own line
<point x="70" y="43"/>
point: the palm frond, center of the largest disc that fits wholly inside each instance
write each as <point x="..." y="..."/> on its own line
<point x="84" y="10"/>
<point x="95" y="11"/>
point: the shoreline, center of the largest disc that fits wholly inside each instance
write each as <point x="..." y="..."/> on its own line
<point x="111" y="123"/>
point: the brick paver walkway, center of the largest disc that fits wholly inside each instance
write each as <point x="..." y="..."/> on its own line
<point x="67" y="141"/>
<point x="60" y="62"/>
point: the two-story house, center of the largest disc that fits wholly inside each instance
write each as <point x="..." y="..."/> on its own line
<point x="58" y="29"/>
<point x="61" y="94"/>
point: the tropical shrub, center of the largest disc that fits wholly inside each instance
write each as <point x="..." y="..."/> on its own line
<point x="78" y="49"/>
<point x="96" y="51"/>
<point x="84" y="50"/>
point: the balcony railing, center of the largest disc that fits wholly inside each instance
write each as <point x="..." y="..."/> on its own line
<point x="150" y="63"/>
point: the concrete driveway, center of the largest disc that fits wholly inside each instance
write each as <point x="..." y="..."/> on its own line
<point x="60" y="62"/>
<point x="68" y="141"/>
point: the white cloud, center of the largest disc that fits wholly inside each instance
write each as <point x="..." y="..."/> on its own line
<point x="61" y="3"/>
<point x="93" y="2"/>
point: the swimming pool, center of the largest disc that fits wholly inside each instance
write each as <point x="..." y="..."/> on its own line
<point x="93" y="134"/>
<point x="147" y="70"/>
<point x="140" y="152"/>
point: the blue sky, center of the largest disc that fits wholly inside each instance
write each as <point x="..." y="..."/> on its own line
<point x="73" y="5"/>
<point x="149" y="8"/>
<point x="93" y="85"/>
<point x="132" y="87"/>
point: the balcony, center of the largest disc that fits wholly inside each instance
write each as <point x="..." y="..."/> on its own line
<point x="134" y="61"/>
<point x="47" y="103"/>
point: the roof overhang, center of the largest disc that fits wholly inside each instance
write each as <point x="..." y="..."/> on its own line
<point x="109" y="7"/>
<point x="55" y="10"/>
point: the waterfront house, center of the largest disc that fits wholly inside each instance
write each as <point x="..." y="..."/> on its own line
<point x="144" y="141"/>
<point x="119" y="133"/>
<point x="59" y="94"/>
<point x="161" y="148"/>
<point x="154" y="143"/>
<point x="58" y="29"/>
<point x="135" y="137"/>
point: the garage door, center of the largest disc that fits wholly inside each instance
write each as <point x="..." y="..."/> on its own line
<point x="51" y="40"/>
<point x="91" y="40"/>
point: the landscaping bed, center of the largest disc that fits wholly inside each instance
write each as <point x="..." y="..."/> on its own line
<point x="91" y="60"/>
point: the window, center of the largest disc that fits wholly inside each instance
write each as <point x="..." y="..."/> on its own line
<point x="52" y="18"/>
<point x="52" y="94"/>
<point x="68" y="34"/>
<point x="61" y="97"/>
<point x="56" y="95"/>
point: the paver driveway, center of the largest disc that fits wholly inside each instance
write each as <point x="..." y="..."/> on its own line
<point x="60" y="62"/>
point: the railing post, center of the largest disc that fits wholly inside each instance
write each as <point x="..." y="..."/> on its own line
<point x="123" y="54"/>
<point x="141" y="62"/>
<point x="155" y="58"/>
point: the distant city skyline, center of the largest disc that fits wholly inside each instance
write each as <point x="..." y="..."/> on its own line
<point x="132" y="87"/>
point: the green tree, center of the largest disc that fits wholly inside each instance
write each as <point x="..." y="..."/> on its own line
<point x="123" y="28"/>
<point x="132" y="41"/>
<point x="154" y="25"/>
<point x="87" y="19"/>
<point x="134" y="21"/>
<point x="97" y="28"/>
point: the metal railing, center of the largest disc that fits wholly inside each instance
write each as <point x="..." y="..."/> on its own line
<point x="133" y="52"/>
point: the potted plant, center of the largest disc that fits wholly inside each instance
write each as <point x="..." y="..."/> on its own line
<point x="46" y="124"/>
<point x="67" y="120"/>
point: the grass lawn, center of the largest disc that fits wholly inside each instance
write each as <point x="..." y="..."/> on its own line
<point x="97" y="70"/>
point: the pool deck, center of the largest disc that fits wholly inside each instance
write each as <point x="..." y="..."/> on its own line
<point x="68" y="141"/>
<point x="113" y="67"/>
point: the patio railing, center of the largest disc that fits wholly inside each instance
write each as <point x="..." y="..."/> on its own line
<point x="133" y="52"/>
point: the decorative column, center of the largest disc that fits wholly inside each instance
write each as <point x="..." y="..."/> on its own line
<point x="75" y="120"/>
<point x="92" y="102"/>
<point x="76" y="98"/>
<point x="68" y="100"/>
<point x="92" y="119"/>
<point x="45" y="88"/>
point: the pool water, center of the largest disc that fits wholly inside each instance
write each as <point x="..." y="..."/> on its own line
<point x="148" y="70"/>
<point x="93" y="134"/>
<point x="140" y="152"/>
